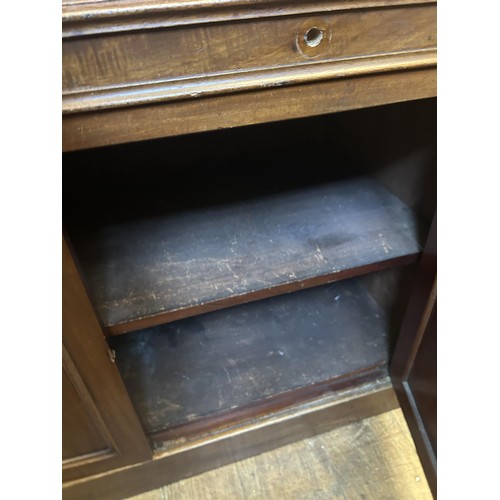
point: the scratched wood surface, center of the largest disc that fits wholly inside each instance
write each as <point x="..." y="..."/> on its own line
<point x="140" y="57"/>
<point x="171" y="265"/>
<point x="374" y="458"/>
<point x="246" y="356"/>
<point x="117" y="126"/>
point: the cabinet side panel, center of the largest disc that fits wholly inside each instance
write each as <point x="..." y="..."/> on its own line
<point x="95" y="388"/>
<point x="413" y="367"/>
<point x="423" y="376"/>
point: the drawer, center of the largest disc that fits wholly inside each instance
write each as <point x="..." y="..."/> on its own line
<point x="144" y="66"/>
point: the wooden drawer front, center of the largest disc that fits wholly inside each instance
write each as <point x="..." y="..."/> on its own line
<point x="153" y="56"/>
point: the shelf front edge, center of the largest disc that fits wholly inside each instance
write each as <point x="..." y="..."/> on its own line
<point x="170" y="316"/>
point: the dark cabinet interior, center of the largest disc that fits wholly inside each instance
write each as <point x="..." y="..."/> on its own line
<point x="249" y="200"/>
<point x="242" y="271"/>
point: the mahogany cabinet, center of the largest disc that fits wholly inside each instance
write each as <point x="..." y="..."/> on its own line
<point x="249" y="195"/>
<point x="99" y="425"/>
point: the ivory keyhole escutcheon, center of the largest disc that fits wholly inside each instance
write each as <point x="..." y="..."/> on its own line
<point x="313" y="37"/>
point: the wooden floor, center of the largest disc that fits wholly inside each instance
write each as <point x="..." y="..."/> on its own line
<point x="371" y="459"/>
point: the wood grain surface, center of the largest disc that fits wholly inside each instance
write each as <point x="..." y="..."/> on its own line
<point x="87" y="17"/>
<point x="115" y="126"/>
<point x="163" y="92"/>
<point x="139" y="67"/>
<point x="173" y="265"/>
<point x="187" y="457"/>
<point x="374" y="458"/>
<point x="141" y="57"/>
<point x="107" y="432"/>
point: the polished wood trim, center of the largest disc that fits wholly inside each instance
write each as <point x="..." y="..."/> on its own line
<point x="88" y="458"/>
<point x="133" y="95"/>
<point x="86" y="130"/>
<point x="187" y="457"/>
<point x="81" y="19"/>
<point x="225" y="51"/>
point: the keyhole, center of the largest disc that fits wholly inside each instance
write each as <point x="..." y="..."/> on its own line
<point x="313" y="37"/>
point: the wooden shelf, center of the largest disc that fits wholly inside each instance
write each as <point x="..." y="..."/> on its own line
<point x="156" y="269"/>
<point x="189" y="376"/>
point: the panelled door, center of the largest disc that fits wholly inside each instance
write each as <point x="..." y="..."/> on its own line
<point x="100" y="429"/>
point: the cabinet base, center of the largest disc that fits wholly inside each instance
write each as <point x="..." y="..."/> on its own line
<point x="182" y="459"/>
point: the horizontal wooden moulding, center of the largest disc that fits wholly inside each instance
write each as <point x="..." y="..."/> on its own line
<point x="105" y="67"/>
<point x="136" y="123"/>
<point x="81" y="18"/>
<point x="164" y="92"/>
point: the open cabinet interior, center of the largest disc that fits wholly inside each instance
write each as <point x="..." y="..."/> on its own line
<point x="241" y="271"/>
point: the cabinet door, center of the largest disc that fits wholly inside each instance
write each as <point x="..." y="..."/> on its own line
<point x="101" y="430"/>
<point x="414" y="364"/>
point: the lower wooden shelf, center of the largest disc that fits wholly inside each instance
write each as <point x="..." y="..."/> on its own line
<point x="193" y="375"/>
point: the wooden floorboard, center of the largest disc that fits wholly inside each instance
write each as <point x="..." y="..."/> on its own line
<point x="374" y="458"/>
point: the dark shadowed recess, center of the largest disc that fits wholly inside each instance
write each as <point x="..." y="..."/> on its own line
<point x="267" y="354"/>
